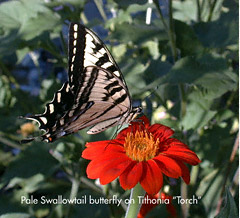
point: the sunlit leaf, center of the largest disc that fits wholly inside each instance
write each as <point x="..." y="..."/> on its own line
<point x="14" y="215"/>
<point x="32" y="156"/>
<point x="136" y="33"/>
<point x="210" y="73"/>
<point x="185" y="34"/>
<point x="185" y="10"/>
<point x="220" y="33"/>
<point x="6" y="98"/>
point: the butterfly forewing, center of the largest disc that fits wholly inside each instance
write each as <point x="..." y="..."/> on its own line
<point x="86" y="49"/>
<point x="96" y="94"/>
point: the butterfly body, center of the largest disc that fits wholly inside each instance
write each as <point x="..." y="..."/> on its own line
<point x="95" y="95"/>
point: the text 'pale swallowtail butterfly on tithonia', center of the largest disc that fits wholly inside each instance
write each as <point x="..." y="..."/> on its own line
<point x="95" y="95"/>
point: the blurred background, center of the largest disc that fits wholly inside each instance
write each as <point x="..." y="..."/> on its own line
<point x="180" y="61"/>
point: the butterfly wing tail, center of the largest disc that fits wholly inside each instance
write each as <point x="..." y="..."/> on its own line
<point x="40" y="120"/>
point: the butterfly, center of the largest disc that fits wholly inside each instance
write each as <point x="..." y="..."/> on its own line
<point x="95" y="96"/>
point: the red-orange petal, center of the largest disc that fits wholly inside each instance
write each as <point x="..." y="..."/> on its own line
<point x="160" y="131"/>
<point x="113" y="170"/>
<point x="182" y="154"/>
<point x="185" y="172"/>
<point x="96" y="166"/>
<point x="174" y="142"/>
<point x="152" y="179"/>
<point x="131" y="176"/>
<point x="168" y="166"/>
<point x="94" y="149"/>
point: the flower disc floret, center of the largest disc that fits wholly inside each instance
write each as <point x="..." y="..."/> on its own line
<point x="140" y="146"/>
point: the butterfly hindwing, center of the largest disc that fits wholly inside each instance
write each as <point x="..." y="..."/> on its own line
<point x="54" y="110"/>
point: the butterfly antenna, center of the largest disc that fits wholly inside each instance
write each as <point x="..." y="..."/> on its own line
<point x="151" y="92"/>
<point x="114" y="135"/>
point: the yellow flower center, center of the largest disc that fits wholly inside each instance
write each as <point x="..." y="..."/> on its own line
<point x="141" y="146"/>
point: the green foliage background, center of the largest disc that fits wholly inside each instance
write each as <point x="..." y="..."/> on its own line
<point x="189" y="52"/>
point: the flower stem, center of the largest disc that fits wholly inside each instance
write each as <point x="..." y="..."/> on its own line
<point x="73" y="194"/>
<point x="83" y="18"/>
<point x="156" y="2"/>
<point x="199" y="19"/>
<point x="183" y="100"/>
<point x="168" y="28"/>
<point x="100" y="8"/>
<point x="212" y="7"/>
<point x="9" y="142"/>
<point x="228" y="170"/>
<point x="134" y="203"/>
<point x="184" y="194"/>
<point x="171" y="33"/>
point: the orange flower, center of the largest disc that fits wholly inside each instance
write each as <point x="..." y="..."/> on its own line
<point x="140" y="153"/>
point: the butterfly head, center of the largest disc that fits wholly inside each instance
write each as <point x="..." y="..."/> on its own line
<point x="135" y="112"/>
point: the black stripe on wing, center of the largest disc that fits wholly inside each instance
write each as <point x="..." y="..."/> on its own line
<point x="113" y="89"/>
<point x="86" y="49"/>
<point x="76" y="48"/>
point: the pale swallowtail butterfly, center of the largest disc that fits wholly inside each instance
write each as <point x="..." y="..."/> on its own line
<point x="96" y="94"/>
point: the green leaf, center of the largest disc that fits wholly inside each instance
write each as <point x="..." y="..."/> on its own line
<point x="136" y="33"/>
<point x="119" y="51"/>
<point x="185" y="10"/>
<point x="196" y="117"/>
<point x="230" y="208"/>
<point x="31" y="156"/>
<point x="134" y="8"/>
<point x="156" y="69"/>
<point x="123" y="16"/>
<point x="208" y="72"/>
<point x="214" y="144"/>
<point x="29" y="185"/>
<point x="5" y="159"/>
<point x="9" y="42"/>
<point x="14" y="14"/>
<point x="21" y="53"/>
<point x="7" y="100"/>
<point x="24" y="20"/>
<point x="36" y="26"/>
<point x="134" y="69"/>
<point x="209" y="188"/>
<point x="220" y="33"/>
<point x="198" y="113"/>
<point x="76" y="3"/>
<point x="14" y="215"/>
<point x="125" y="3"/>
<point x="184" y="35"/>
<point x="153" y="47"/>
